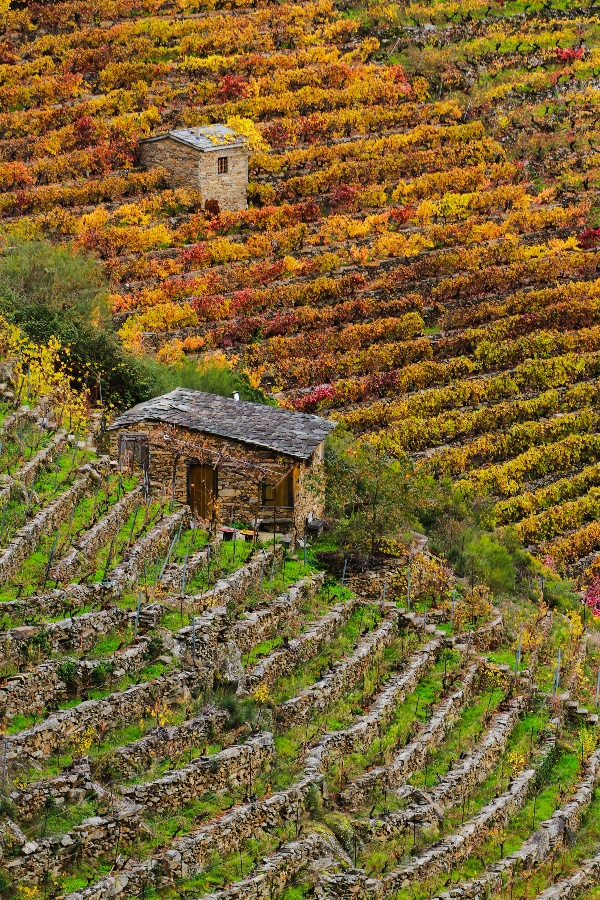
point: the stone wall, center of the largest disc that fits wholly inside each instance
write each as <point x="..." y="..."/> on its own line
<point x="468" y="771"/>
<point x="231" y="767"/>
<point x="237" y="490"/>
<point x="168" y="741"/>
<point x="365" y="730"/>
<point x="28" y="473"/>
<point x="281" y="613"/>
<point x="50" y="604"/>
<point x="47" y="520"/>
<point x="551" y="834"/>
<point x="41" y="686"/>
<point x="587" y="876"/>
<point x="187" y="856"/>
<point x="285" y="659"/>
<point x="56" y="732"/>
<point x="411" y="757"/>
<point x="235" y="586"/>
<point x="71" y="786"/>
<point x="230" y="190"/>
<point x="156" y="541"/>
<point x="179" y="160"/>
<point x="60" y="853"/>
<point x="88" y="544"/>
<point x="275" y="873"/>
<point x="343" y="677"/>
<point x="79" y="632"/>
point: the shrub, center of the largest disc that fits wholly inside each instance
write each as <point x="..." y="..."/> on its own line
<point x="67" y="672"/>
<point x="102" y="671"/>
<point x="7" y="890"/>
<point x="155" y="647"/>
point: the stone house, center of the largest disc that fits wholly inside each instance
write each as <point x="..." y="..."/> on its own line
<point x="230" y="460"/>
<point x="210" y="158"/>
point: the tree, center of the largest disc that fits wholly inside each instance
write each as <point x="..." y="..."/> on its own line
<point x="369" y="494"/>
<point x="50" y="290"/>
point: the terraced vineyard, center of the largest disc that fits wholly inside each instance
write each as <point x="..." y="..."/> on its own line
<point x="420" y="252"/>
<point x="186" y="717"/>
<point x="183" y="717"/>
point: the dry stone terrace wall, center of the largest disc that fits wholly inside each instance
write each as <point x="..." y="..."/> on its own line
<point x="188" y="855"/>
<point x="365" y="729"/>
<point x="79" y="632"/>
<point x="449" y="852"/>
<point x="98" y="835"/>
<point x="283" y="612"/>
<point x="446" y="853"/>
<point x="48" y="519"/>
<point x="172" y="579"/>
<point x="232" y="766"/>
<point x="55" y="733"/>
<point x="53" y="603"/>
<point x="41" y="686"/>
<point x="11" y="422"/>
<point x="71" y="786"/>
<point x="409" y="758"/>
<point x="168" y="741"/>
<point x="277" y="870"/>
<point x="587" y="876"/>
<point x="90" y="840"/>
<point x="471" y="770"/>
<point x="233" y="588"/>
<point x="28" y="473"/>
<point x="298" y="650"/>
<point x="344" y="676"/>
<point x="214" y="626"/>
<point x="549" y="836"/>
<point x="157" y="540"/>
<point x="88" y="544"/>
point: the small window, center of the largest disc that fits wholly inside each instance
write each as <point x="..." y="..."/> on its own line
<point x="222" y="165"/>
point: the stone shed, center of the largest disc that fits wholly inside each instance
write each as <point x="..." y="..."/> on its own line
<point x="230" y="460"/>
<point x="210" y="158"/>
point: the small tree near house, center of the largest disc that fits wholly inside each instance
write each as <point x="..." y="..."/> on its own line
<point x="369" y="494"/>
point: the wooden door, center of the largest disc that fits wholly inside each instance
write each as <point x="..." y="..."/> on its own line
<point x="202" y="489"/>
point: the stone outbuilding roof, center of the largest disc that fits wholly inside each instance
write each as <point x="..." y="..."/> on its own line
<point x="295" y="434"/>
<point x="204" y="137"/>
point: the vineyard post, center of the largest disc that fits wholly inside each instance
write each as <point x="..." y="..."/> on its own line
<point x="5" y="751"/>
<point x="185" y="562"/>
<point x="194" y="637"/>
<point x="133" y="522"/>
<point x="518" y="653"/>
<point x="50" y="558"/>
<point x="408" y="588"/>
<point x="557" y="673"/>
<point x="137" y="615"/>
<point x="344" y="572"/>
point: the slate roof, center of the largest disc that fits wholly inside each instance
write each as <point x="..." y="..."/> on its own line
<point x="283" y="430"/>
<point x="203" y="137"/>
